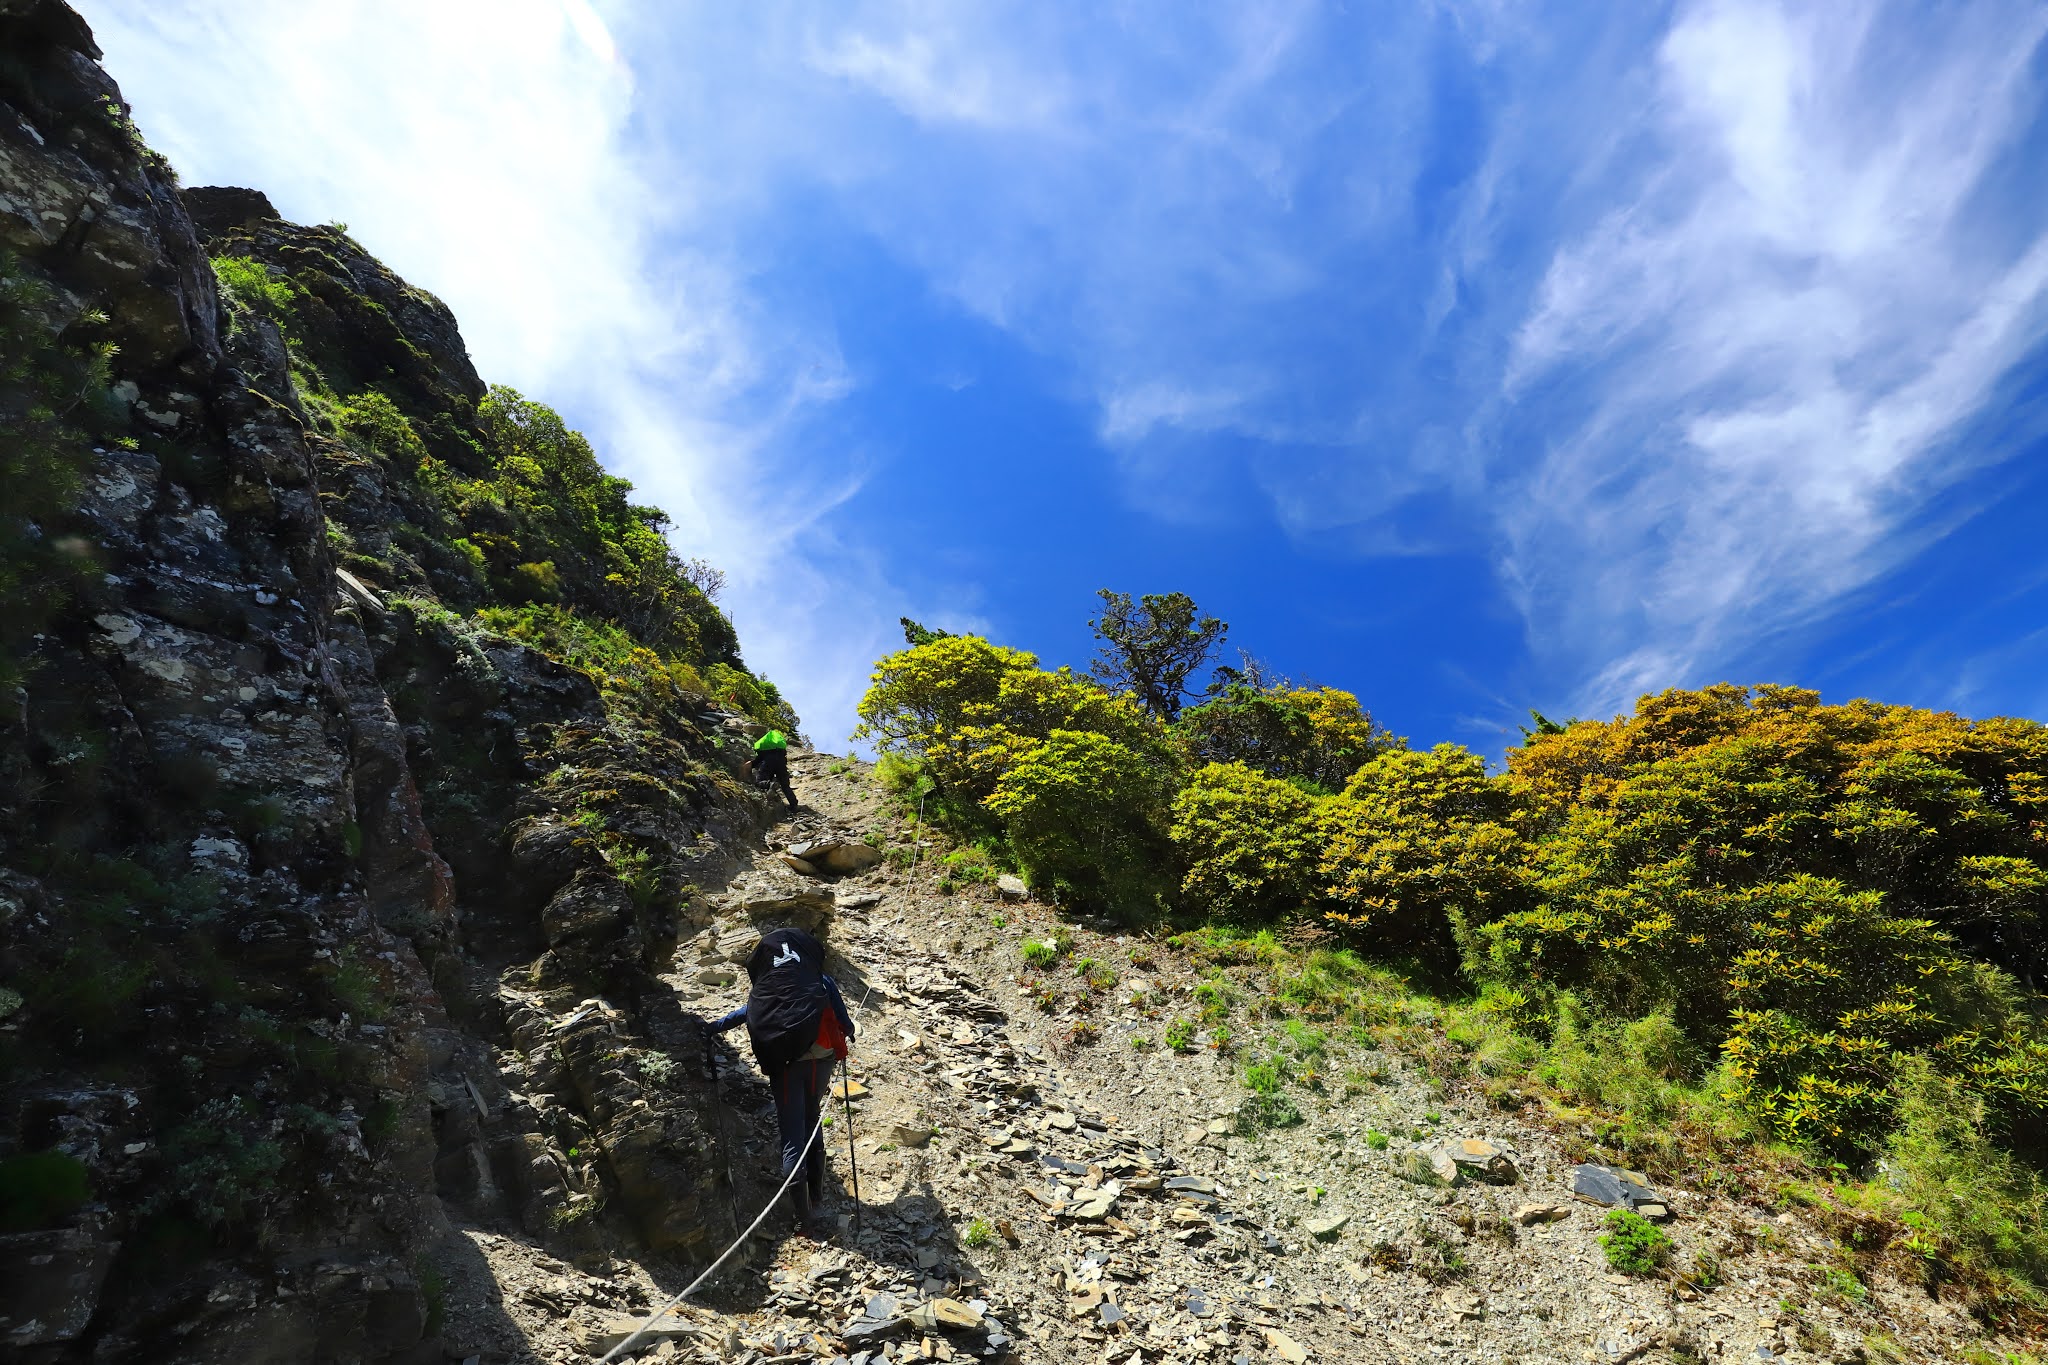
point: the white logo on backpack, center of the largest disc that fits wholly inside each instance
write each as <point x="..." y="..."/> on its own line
<point x="787" y="955"/>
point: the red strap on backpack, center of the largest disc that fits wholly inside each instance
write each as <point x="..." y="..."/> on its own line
<point x="829" y="1033"/>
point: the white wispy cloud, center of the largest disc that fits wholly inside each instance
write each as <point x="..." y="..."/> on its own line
<point x="1679" y="314"/>
<point x="1776" y="336"/>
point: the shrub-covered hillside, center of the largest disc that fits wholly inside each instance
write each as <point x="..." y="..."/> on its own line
<point x="1782" y="923"/>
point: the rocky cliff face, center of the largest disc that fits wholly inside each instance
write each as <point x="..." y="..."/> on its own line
<point x="362" y="754"/>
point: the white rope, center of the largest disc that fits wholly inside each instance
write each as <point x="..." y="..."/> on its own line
<point x="662" y="1311"/>
<point x="824" y="1112"/>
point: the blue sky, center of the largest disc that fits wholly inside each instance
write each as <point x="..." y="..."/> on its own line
<point x="1473" y="357"/>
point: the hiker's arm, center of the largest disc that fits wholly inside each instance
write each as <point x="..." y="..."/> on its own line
<point x="839" y="1006"/>
<point x="728" y="1021"/>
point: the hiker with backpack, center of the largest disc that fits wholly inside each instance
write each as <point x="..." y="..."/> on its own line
<point x="771" y="763"/>
<point x="799" y="1028"/>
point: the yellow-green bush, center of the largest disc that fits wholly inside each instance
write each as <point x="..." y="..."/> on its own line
<point x="968" y="710"/>
<point x="1419" y="844"/>
<point x="1812" y="891"/>
<point x="1085" y="817"/>
<point x="1248" y="843"/>
<point x="372" y="422"/>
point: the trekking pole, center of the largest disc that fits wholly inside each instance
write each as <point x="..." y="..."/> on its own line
<point x="846" y="1098"/>
<point x="917" y="837"/>
<point x="852" y="1161"/>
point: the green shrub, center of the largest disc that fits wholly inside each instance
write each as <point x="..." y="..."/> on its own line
<point x="252" y="285"/>
<point x="1216" y="998"/>
<point x="1376" y="1140"/>
<point x="1418" y="841"/>
<point x="1044" y="952"/>
<point x="1314" y="736"/>
<point x="1265" y="1078"/>
<point x="1180" y="1035"/>
<point x="1261" y="1111"/>
<point x="1083" y="814"/>
<point x="1969" y="1202"/>
<point x="1100" y="976"/>
<point x="1633" y="1244"/>
<point x="1248" y="841"/>
<point x="372" y="422"/>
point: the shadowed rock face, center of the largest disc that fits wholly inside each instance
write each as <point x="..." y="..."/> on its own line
<point x="324" y="913"/>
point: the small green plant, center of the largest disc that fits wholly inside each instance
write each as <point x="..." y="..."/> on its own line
<point x="1841" y="1283"/>
<point x="1043" y="952"/>
<point x="1376" y="1140"/>
<point x="1216" y="999"/>
<point x="434" y="1291"/>
<point x="980" y="1233"/>
<point x="1180" y="1035"/>
<point x="1265" y="1078"/>
<point x="1305" y="1041"/>
<point x="842" y="766"/>
<point x="1100" y="976"/>
<point x="1139" y="1042"/>
<point x="1219" y="1039"/>
<point x="1633" y="1244"/>
<point x="999" y="920"/>
<point x="1265" y="1110"/>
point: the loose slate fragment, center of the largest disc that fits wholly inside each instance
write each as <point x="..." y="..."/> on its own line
<point x="1286" y="1347"/>
<point x="1324" y="1227"/>
<point x="1613" y="1187"/>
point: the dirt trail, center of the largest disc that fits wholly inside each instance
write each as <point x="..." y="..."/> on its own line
<point x="1061" y="1199"/>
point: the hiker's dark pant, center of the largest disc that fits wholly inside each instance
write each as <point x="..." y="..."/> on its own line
<point x="800" y="1088"/>
<point x="772" y="765"/>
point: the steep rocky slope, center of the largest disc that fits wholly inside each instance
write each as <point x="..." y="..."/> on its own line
<point x="307" y="869"/>
<point x="1032" y="1182"/>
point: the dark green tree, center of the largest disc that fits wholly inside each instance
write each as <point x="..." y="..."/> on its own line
<point x="1152" y="647"/>
<point x="917" y="633"/>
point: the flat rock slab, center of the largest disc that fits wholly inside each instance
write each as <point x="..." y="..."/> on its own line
<point x="1012" y="888"/>
<point x="1476" y="1158"/>
<point x="1528" y="1215"/>
<point x="1092" y="1206"/>
<point x="601" y="1339"/>
<point x="1324" y="1227"/>
<point x="1615" y="1188"/>
<point x="1286" y="1347"/>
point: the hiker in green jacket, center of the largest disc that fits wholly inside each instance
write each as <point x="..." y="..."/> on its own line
<point x="771" y="763"/>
